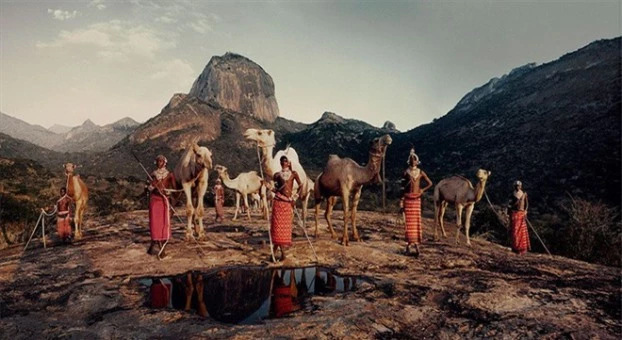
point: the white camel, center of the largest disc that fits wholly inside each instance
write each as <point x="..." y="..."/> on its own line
<point x="271" y="164"/>
<point x="244" y="184"/>
<point x="192" y="171"/>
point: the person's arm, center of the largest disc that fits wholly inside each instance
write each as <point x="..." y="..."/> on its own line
<point x="526" y="203"/>
<point x="425" y="177"/>
<point x="297" y="179"/>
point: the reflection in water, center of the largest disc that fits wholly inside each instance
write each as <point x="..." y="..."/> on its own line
<point x="243" y="295"/>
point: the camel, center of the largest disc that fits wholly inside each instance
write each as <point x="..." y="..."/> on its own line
<point x="266" y="141"/>
<point x="343" y="177"/>
<point x="460" y="191"/>
<point x="79" y="193"/>
<point x="192" y="172"/>
<point x="244" y="184"/>
<point x="256" y="202"/>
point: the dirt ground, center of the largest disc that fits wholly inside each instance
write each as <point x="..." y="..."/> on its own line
<point x="89" y="289"/>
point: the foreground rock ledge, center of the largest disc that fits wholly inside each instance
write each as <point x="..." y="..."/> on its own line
<point x="86" y="290"/>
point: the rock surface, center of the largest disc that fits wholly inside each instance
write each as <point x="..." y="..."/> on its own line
<point x="238" y="84"/>
<point x="88" y="289"/>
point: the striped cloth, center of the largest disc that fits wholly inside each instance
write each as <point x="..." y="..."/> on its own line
<point x="519" y="232"/>
<point x="412" y="214"/>
<point x="159" y="219"/>
<point x="63" y="226"/>
<point x="281" y="222"/>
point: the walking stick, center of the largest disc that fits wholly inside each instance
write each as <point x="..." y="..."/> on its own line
<point x="33" y="231"/>
<point x="306" y="235"/>
<point x="535" y="232"/>
<point x="271" y="246"/>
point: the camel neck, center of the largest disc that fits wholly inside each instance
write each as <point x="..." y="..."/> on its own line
<point x="266" y="161"/>
<point x="479" y="190"/>
<point x="373" y="165"/>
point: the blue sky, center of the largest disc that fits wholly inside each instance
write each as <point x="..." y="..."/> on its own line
<point x="62" y="62"/>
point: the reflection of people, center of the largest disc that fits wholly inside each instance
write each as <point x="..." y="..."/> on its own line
<point x="411" y="201"/>
<point x="63" y="210"/>
<point x="282" y="206"/>
<point x="219" y="200"/>
<point x="161" y="182"/>
<point x="160" y="293"/>
<point x="284" y="297"/>
<point x="518" y="219"/>
<point x="184" y="296"/>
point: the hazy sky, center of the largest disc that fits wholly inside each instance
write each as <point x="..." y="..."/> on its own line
<point x="63" y="62"/>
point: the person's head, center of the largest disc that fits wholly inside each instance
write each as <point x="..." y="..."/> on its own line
<point x="284" y="162"/>
<point x="218" y="181"/>
<point x="160" y="161"/>
<point x="413" y="159"/>
<point x="63" y="191"/>
<point x="518" y="184"/>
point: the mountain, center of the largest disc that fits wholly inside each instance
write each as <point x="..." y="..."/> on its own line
<point x="556" y="127"/>
<point x="60" y="129"/>
<point x="35" y="134"/>
<point x="13" y="148"/>
<point x="88" y="137"/>
<point x="238" y="84"/>
<point x="92" y="137"/>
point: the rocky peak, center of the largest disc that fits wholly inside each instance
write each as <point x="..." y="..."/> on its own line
<point x="124" y="123"/>
<point x="330" y="117"/>
<point x="237" y="83"/>
<point x="388" y="125"/>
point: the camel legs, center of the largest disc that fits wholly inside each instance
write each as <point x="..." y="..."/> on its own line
<point x="237" y="206"/>
<point x="467" y="222"/>
<point x="189" y="210"/>
<point x="330" y="204"/>
<point x="459" y="208"/>
<point x="355" y="204"/>
<point x="305" y="210"/>
<point x="77" y="221"/>
<point x="345" y="196"/>
<point x="264" y="201"/>
<point x="248" y="207"/>
<point x="439" y="214"/>
<point x="198" y="213"/>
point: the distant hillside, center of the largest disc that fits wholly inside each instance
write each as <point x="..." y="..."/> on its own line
<point x="92" y="137"/>
<point x="556" y="127"/>
<point x="87" y="137"/>
<point x="35" y="134"/>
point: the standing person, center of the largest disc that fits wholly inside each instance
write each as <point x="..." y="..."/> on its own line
<point x="63" y="210"/>
<point x="518" y="219"/>
<point x="219" y="200"/>
<point x="159" y="204"/>
<point x="410" y="203"/>
<point x="283" y="205"/>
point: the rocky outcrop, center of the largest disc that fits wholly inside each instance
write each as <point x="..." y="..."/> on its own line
<point x="238" y="84"/>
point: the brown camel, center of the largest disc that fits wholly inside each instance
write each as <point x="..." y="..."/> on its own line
<point x="79" y="193"/>
<point x="343" y="177"/>
<point x="459" y="191"/>
<point x="192" y="172"/>
<point x="244" y="184"/>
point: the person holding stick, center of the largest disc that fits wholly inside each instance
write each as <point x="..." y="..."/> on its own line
<point x="63" y="210"/>
<point x="410" y="204"/>
<point x="283" y="205"/>
<point x="518" y="219"/>
<point x="161" y="182"/>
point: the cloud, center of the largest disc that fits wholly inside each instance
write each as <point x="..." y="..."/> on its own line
<point x="165" y="19"/>
<point x="62" y="15"/>
<point x="115" y="40"/>
<point x="175" y="71"/>
<point x="99" y="4"/>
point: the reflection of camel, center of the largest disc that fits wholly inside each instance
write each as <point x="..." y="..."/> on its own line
<point x="343" y="177"/>
<point x="77" y="190"/>
<point x="460" y="191"/>
<point x="245" y="184"/>
<point x="192" y="172"/>
<point x="266" y="141"/>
